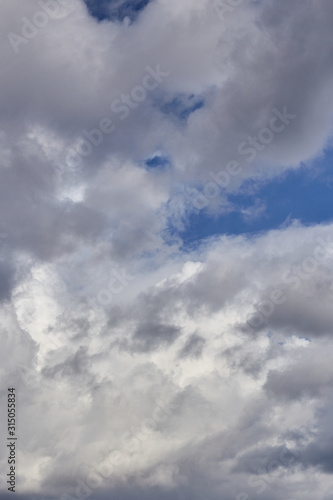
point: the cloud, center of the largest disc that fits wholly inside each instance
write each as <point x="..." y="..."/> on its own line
<point x="142" y="353"/>
<point x="193" y="347"/>
<point x="208" y="363"/>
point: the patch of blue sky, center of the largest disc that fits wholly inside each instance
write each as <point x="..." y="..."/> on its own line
<point x="157" y="162"/>
<point x="183" y="105"/>
<point x="304" y="194"/>
<point x="116" y="10"/>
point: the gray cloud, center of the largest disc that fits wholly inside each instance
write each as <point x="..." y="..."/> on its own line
<point x="193" y="347"/>
<point x="149" y="336"/>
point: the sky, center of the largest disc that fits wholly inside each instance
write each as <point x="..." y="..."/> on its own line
<point x="166" y="249"/>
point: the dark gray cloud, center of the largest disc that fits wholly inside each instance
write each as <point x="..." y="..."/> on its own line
<point x="6" y="280"/>
<point x="309" y="377"/>
<point x="193" y="347"/>
<point x="150" y="336"/>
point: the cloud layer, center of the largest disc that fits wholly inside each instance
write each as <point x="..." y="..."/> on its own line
<point x="143" y="369"/>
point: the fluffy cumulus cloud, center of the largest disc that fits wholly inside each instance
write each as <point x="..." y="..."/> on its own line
<point x="144" y="368"/>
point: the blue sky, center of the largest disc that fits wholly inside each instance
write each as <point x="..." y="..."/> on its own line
<point x="304" y="194"/>
<point x="115" y="9"/>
